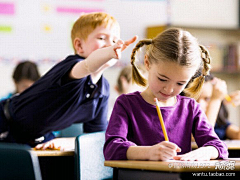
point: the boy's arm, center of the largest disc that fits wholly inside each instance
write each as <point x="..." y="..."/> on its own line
<point x="94" y="63"/>
<point x="99" y="60"/>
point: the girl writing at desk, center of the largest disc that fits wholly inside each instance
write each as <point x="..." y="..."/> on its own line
<point x="134" y="132"/>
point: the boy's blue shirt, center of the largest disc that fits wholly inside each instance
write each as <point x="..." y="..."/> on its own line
<point x="55" y="101"/>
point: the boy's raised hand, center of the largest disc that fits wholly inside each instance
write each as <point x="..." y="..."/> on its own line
<point x="121" y="45"/>
<point x="128" y="42"/>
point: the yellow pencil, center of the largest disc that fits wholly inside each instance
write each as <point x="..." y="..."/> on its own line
<point x="161" y="120"/>
<point x="229" y="99"/>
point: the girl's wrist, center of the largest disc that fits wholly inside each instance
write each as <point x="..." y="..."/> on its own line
<point x="138" y="153"/>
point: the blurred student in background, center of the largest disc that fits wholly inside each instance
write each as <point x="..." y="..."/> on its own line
<point x="124" y="81"/>
<point x="125" y="85"/>
<point x="212" y="101"/>
<point x="24" y="75"/>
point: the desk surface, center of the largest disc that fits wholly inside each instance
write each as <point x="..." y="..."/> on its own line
<point x="66" y="143"/>
<point x="53" y="153"/>
<point x="231" y="144"/>
<point x="176" y="166"/>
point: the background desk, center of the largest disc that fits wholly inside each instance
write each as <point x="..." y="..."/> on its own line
<point x="56" y="164"/>
<point x="233" y="147"/>
<point x="142" y="170"/>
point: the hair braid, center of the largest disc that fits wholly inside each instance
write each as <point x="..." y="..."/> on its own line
<point x="136" y="74"/>
<point x="195" y="87"/>
<point x="206" y="60"/>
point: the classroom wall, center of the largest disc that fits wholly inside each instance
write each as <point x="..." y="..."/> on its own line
<point x="205" y="13"/>
<point x="40" y="30"/>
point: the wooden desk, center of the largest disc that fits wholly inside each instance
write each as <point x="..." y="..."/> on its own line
<point x="141" y="170"/>
<point x="233" y="147"/>
<point x="56" y="164"/>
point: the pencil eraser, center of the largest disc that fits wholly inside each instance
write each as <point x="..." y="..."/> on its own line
<point x="156" y="101"/>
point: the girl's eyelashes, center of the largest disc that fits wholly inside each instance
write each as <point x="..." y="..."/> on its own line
<point x="163" y="80"/>
<point x="180" y="84"/>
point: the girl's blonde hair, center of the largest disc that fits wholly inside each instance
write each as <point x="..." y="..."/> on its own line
<point x="175" y="45"/>
<point x="86" y="24"/>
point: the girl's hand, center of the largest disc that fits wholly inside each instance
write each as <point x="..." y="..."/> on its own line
<point x="219" y="89"/>
<point x="163" y="151"/>
<point x="200" y="154"/>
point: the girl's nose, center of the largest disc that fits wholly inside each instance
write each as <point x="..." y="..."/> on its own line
<point x="168" y="89"/>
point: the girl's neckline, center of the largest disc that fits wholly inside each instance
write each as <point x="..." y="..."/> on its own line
<point x="175" y="101"/>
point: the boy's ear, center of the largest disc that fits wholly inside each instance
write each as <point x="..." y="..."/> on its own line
<point x="146" y="62"/>
<point x="78" y="45"/>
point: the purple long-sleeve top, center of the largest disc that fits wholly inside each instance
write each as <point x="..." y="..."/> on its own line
<point x="134" y="122"/>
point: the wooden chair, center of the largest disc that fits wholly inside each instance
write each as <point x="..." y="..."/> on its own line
<point x="17" y="162"/>
<point x="89" y="157"/>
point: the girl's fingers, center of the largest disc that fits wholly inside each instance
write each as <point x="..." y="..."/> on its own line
<point x="178" y="149"/>
<point x="177" y="157"/>
<point x="172" y="146"/>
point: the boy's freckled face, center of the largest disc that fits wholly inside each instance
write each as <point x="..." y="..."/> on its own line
<point x="101" y="37"/>
<point x="168" y="79"/>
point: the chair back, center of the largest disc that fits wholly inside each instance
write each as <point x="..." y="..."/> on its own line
<point x="17" y="162"/>
<point x="72" y="131"/>
<point x="89" y="157"/>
